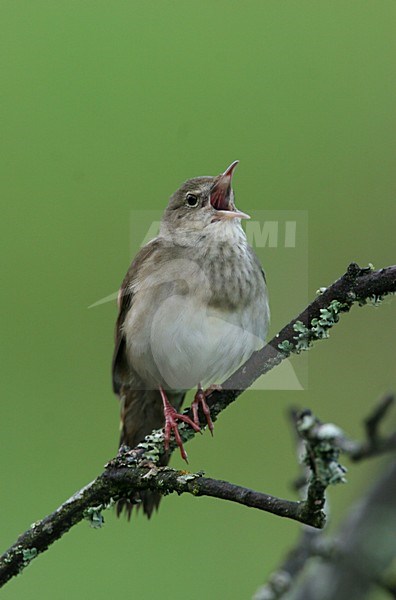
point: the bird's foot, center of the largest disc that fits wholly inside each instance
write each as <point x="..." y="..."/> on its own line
<point x="200" y="400"/>
<point x="171" y="421"/>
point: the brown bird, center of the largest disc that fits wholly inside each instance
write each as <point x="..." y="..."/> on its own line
<point x="192" y="308"/>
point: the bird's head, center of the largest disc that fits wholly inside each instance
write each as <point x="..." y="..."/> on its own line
<point x="202" y="203"/>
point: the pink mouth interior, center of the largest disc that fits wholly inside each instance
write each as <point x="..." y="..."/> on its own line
<point x="218" y="199"/>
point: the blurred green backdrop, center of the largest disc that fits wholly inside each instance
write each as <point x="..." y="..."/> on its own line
<point x="106" y="107"/>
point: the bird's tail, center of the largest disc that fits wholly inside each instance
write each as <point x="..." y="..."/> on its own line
<point x="141" y="412"/>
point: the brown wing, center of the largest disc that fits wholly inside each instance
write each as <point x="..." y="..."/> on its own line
<point x="120" y="364"/>
<point x="120" y="367"/>
<point x="141" y="410"/>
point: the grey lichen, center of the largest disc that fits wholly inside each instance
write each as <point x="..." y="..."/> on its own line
<point x="153" y="442"/>
<point x="152" y="473"/>
<point x="151" y="445"/>
<point x="322" y="450"/>
<point x="306" y="422"/>
<point x="321" y="290"/>
<point x="329" y="431"/>
<point x="278" y="584"/>
<point x="7" y="558"/>
<point x="185" y="477"/>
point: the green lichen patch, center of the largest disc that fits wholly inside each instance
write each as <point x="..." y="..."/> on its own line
<point x="374" y="300"/>
<point x="317" y="330"/>
<point x="94" y="516"/>
<point x="303" y="337"/>
<point x="286" y="347"/>
<point x="28" y="555"/>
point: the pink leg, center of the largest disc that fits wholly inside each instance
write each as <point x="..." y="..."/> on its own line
<point x="200" y="399"/>
<point x="171" y="419"/>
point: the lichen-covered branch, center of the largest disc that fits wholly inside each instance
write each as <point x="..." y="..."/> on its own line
<point x="119" y="478"/>
<point x="357" y="286"/>
<point x="360" y="555"/>
<point x="281" y="581"/>
<point x="129" y="471"/>
<point x="321" y="458"/>
<point x="313" y="544"/>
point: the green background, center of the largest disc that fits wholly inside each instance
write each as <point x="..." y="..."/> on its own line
<point x="105" y="108"/>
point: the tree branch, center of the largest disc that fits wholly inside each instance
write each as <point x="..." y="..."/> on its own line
<point x="357" y="285"/>
<point x="375" y="443"/>
<point x="135" y="469"/>
<point x="358" y="555"/>
<point x="118" y="480"/>
<point x="313" y="543"/>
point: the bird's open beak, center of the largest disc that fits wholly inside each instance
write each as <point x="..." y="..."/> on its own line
<point x="220" y="195"/>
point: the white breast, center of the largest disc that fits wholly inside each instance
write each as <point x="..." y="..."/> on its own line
<point x="192" y="344"/>
<point x="176" y="337"/>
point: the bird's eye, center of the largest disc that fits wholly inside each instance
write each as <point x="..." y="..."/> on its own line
<point x="192" y="200"/>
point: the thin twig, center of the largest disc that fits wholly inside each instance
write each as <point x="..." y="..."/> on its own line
<point x="373" y="421"/>
<point x="375" y="443"/>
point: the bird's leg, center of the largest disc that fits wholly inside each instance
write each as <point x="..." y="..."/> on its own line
<point x="171" y="419"/>
<point x="200" y="399"/>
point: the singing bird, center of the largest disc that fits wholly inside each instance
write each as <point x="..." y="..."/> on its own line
<point x="193" y="307"/>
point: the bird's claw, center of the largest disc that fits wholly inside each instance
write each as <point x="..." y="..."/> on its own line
<point x="171" y="424"/>
<point x="200" y="400"/>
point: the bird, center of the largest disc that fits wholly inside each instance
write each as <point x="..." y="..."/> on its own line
<point x="192" y="308"/>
